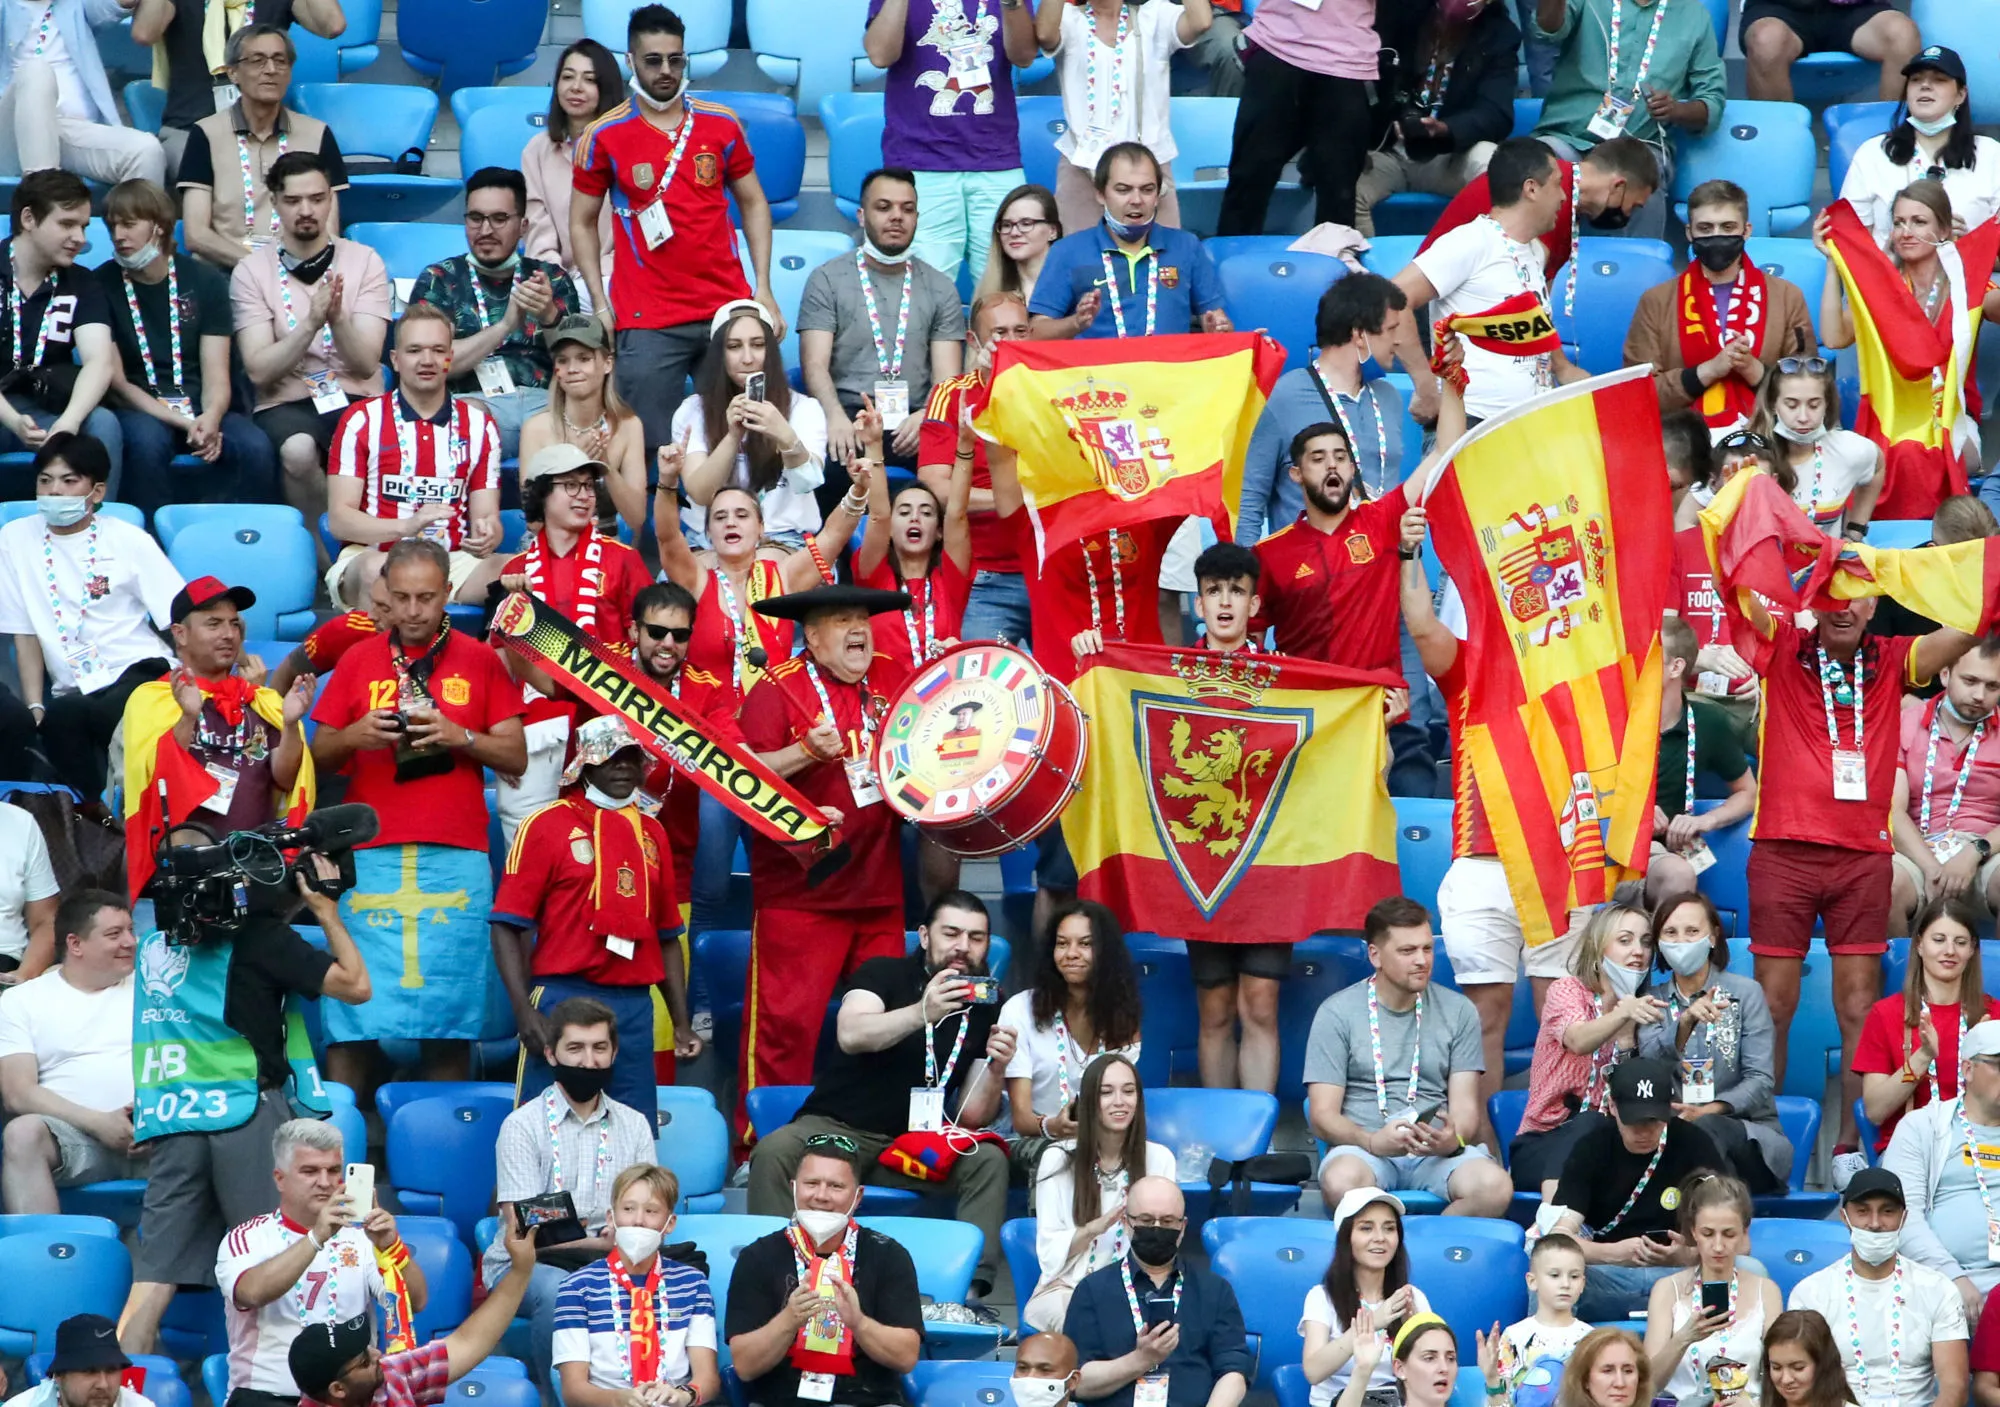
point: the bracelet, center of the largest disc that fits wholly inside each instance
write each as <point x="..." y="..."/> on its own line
<point x="38" y="708"/>
<point x="312" y="1235"/>
<point x="1045" y="1127"/>
<point x="964" y="454"/>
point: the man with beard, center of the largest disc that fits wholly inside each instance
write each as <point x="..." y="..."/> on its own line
<point x="88" y="1369"/>
<point x="912" y="1037"/>
<point x="1946" y="815"/>
<point x="670" y="165"/>
<point x="851" y="345"/>
<point x="311" y="311"/>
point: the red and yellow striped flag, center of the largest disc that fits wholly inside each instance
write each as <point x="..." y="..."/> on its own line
<point x="1112" y="432"/>
<point x="1556" y="523"/>
<point x="1232" y="797"/>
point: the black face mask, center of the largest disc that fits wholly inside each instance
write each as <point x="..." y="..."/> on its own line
<point x="1717" y="252"/>
<point x="308" y="270"/>
<point x="583" y="1082"/>
<point x="1612" y="218"/>
<point x="1155" y="1245"/>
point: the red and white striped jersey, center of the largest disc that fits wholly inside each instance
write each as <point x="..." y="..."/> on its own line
<point x="405" y="463"/>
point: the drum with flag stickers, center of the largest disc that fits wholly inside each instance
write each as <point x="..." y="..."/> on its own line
<point x="982" y="749"/>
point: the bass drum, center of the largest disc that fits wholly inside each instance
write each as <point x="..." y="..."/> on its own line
<point x="983" y="750"/>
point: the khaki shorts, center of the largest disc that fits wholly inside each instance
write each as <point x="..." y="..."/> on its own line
<point x="82" y="1159"/>
<point x="463" y="565"/>
<point x="1975" y="893"/>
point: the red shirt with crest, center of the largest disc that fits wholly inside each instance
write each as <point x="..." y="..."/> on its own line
<point x="713" y="701"/>
<point x="546" y="886"/>
<point x="1332" y="597"/>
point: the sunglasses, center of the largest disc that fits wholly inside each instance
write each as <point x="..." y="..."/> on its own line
<point x="1742" y="440"/>
<point x="1934" y="173"/>
<point x="832" y="1140"/>
<point x="679" y="634"/>
<point x="1811" y="366"/>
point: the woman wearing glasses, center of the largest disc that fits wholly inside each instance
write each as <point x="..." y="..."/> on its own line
<point x="1837" y="474"/>
<point x="588" y="85"/>
<point x="1932" y="140"/>
<point x="1080" y="1216"/>
<point x="1023" y="230"/>
<point x="586" y="410"/>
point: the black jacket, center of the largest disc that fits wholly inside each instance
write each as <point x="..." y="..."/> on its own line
<point x="1478" y="100"/>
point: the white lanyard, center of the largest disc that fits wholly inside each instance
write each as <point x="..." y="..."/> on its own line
<point x="63" y="635"/>
<point x="1117" y="584"/>
<point x="1964" y="771"/>
<point x="1375" y="1049"/>
<point x="1645" y="57"/>
<point x="1896" y="1300"/>
<point x="867" y="724"/>
<point x="1826" y="668"/>
<point x="1690" y="797"/>
<point x="1117" y="103"/>
<point x="681" y="135"/>
<point x="1333" y="399"/>
<point x="922" y="642"/>
<point x="173" y="326"/>
<point x="14" y="306"/>
<point x="1937" y="1089"/>
<point x="889" y="360"/>
<point x="292" y="317"/>
<point x="1152" y="259"/>
<point x="250" y="185"/>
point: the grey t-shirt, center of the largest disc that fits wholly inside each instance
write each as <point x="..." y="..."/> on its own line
<point x="1339" y="1052"/>
<point x="833" y="303"/>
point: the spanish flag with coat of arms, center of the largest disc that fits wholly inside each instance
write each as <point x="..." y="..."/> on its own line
<point x="1232" y="798"/>
<point x="1556" y="522"/>
<point x="1112" y="432"/>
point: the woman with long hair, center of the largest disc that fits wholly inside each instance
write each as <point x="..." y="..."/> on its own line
<point x="1930" y="139"/>
<point x="1838" y="474"/>
<point x="588" y="85"/>
<point x="1802" y="1365"/>
<point x="1423" y="1356"/>
<point x="758" y="437"/>
<point x="1365" y="1295"/>
<point x="1080" y="1191"/>
<point x="1083" y="1002"/>
<point x="1024" y="227"/>
<point x="1608" y="1369"/>
<point x="1718" y="1031"/>
<point x="1908" y="1054"/>
<point x="1697" y="1352"/>
<point x="586" y="410"/>
<point x="1590" y="1021"/>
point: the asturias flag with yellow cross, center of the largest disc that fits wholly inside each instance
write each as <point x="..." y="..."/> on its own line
<point x="1232" y="798"/>
<point x="1114" y="431"/>
<point x="1556" y="522"/>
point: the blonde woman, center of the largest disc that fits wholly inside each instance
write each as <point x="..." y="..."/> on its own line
<point x="586" y="410"/>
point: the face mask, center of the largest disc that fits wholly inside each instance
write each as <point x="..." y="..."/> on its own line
<point x="636" y="1244"/>
<point x="1131" y="234"/>
<point x="605" y="798"/>
<point x="505" y="266"/>
<point x="1717" y="252"/>
<point x="868" y="247"/>
<point x="1801" y="437"/>
<point x="307" y="270"/>
<point x="657" y="104"/>
<point x="1874" y="1247"/>
<point x="62" y="510"/>
<point x="1155" y="1245"/>
<point x="1952" y="709"/>
<point x="1686" y="959"/>
<point x="1624" y="980"/>
<point x="1612" y="219"/>
<point x="140" y="258"/>
<point x="1038" y="1392"/>
<point x="817" y="1224"/>
<point x="582" y="1082"/>
<point x="1937" y="127"/>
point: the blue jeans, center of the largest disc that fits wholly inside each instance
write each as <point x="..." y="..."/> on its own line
<point x="101" y="424"/>
<point x="1412" y="759"/>
<point x="511" y="411"/>
<point x="246" y="472"/>
<point x="538" y="1307"/>
<point x="1614" y="1292"/>
<point x="714" y="854"/>
<point x="998" y="609"/>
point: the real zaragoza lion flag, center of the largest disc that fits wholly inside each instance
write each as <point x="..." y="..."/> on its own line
<point x="1914" y="369"/>
<point x="1111" y="432"/>
<point x="1232" y="798"/>
<point x="1555" y="521"/>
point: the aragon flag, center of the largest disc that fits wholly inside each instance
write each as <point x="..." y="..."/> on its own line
<point x="1232" y="798"/>
<point x="1555" y="521"/>
<point x="1913" y="370"/>
<point x="1112" y="432"/>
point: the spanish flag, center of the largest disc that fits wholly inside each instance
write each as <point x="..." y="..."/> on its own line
<point x="1111" y="432"/>
<point x="1914" y="370"/>
<point x="152" y="757"/>
<point x="1556" y="523"/>
<point x="1520" y="326"/>
<point x="1232" y="798"/>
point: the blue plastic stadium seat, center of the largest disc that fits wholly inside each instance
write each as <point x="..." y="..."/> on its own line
<point x="441" y="1254"/>
<point x="347" y="1118"/>
<point x="722" y="1237"/>
<point x="1389" y="255"/>
<point x="1315" y="976"/>
<point x="118" y="1199"/>
<point x="1899" y="532"/>
<point x="723" y="955"/>
<point x="215" y="1376"/>
<point x="1168" y="1023"/>
<point x="57" y="1224"/>
<point x="1235" y="1123"/>
<point x="1527" y="113"/>
<point x="387" y="121"/>
<point x="770" y="123"/>
<point x="1505" y="1108"/>
<point x="1408" y="212"/>
<point x="811" y="46"/>
<point x="1795" y="261"/>
<point x="408" y="249"/>
<point x="1289" y="1386"/>
<point x="278" y="558"/>
<point x="493" y="1391"/>
<point x="794" y="255"/>
<point x="1040" y="118"/>
<point x="1522" y="1028"/>
<point x="1280" y="295"/>
<point x="495" y="134"/>
<point x="684" y="1097"/>
<point x="527" y="102"/>
<point x="693" y="1141"/>
<point x="959" y="1384"/>
<point x="1848" y="127"/>
<point x="359" y="44"/>
<point x="146" y="104"/>
<point x="1766" y="148"/>
<point x="193" y="1325"/>
<point x="395" y="1094"/>
<point x="1611" y="276"/>
<point x="47" y="1276"/>
<point x="1270" y="1276"/>
<point x="1724" y="882"/>
<point x="1792" y="1248"/>
<point x="441" y="1155"/>
<point x="853" y="123"/>
<point x="1203" y="129"/>
<point x="1469" y="1279"/>
<point x="169" y="519"/>
<point x="1017" y="1243"/>
<point x="946" y="1253"/>
<point x="498" y="1365"/>
<point x="707" y="36"/>
<point x="1800" y="1119"/>
<point x="1423" y="846"/>
<point x="466" y="43"/>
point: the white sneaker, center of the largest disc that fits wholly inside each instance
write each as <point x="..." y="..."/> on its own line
<point x="1845" y="1166"/>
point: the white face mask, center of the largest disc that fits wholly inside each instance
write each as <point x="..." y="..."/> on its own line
<point x="1874" y="1247"/>
<point x="657" y="104"/>
<point x="60" y="510"/>
<point x="605" y="798"/>
<point x="1802" y="437"/>
<point x="869" y="248"/>
<point x="140" y="258"/>
<point x="1934" y="126"/>
<point x="820" y="1225"/>
<point x="1624" y="980"/>
<point x="1686" y="959"/>
<point x="1038" y="1392"/>
<point x="636" y="1244"/>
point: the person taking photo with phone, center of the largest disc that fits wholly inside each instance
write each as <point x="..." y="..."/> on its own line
<point x="317" y="1259"/>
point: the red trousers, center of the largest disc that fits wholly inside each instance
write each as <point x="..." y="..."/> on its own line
<point x="798" y="958"/>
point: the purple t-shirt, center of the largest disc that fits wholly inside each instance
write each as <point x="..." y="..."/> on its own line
<point x="936" y="119"/>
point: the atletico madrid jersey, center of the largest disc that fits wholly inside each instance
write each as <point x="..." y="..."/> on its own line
<point x="406" y="463"/>
<point x="1332" y="596"/>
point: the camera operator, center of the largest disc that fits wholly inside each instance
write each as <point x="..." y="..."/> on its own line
<point x="221" y="1059"/>
<point x="413" y="716"/>
<point x="226" y="747"/>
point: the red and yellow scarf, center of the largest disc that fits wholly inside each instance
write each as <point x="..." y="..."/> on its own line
<point x="1732" y="398"/>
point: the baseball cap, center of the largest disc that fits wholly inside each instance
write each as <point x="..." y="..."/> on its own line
<point x="321" y="1351"/>
<point x="583" y="329"/>
<point x="1873" y="1182"/>
<point x="558" y="459"/>
<point x="1938" y="59"/>
<point x="206" y="591"/>
<point x="87" y="1343"/>
<point x="734" y="306"/>
<point x="1644" y="1090"/>
<point x="1358" y="1197"/>
<point x="1981" y="1042"/>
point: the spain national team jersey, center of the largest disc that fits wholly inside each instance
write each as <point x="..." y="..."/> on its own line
<point x="1332" y="596"/>
<point x="406" y="463"/>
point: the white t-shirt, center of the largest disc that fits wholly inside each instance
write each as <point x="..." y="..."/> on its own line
<point x="25" y="876"/>
<point x="1522" y="1343"/>
<point x="1932" y="1313"/>
<point x="81" y="1041"/>
<point x="1131" y="99"/>
<point x="1845" y="462"/>
<point x="1475" y="268"/>
<point x="1045" y="1057"/>
<point x="1319" y="1310"/>
<point x="789" y="505"/>
<point x="132" y="580"/>
<point x="340" y="1282"/>
<point x="1873" y="183"/>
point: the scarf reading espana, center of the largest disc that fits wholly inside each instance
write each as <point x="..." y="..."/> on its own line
<point x="643" y="1328"/>
<point x="610" y="683"/>
<point x="589" y="574"/>
<point x="823" y="1344"/>
<point x="399" y="1325"/>
<point x="1732" y="398"/>
<point x="1520" y="326"/>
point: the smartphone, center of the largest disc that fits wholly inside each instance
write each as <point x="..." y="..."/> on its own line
<point x="360" y="1188"/>
<point x="1715" y="1297"/>
<point x="1429" y="1112"/>
<point x="753" y="386"/>
<point x="1663" y="1238"/>
<point x="1158" y="1311"/>
<point x="985" y="990"/>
